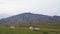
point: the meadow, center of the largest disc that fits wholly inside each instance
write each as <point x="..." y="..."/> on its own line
<point x="45" y="29"/>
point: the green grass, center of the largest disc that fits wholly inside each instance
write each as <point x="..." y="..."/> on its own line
<point x="45" y="29"/>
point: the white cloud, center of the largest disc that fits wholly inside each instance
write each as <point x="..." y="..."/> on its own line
<point x="13" y="7"/>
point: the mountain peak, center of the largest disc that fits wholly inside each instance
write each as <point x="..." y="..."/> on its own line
<point x="27" y="13"/>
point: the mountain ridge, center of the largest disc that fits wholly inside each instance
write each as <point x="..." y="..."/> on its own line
<point x="30" y="18"/>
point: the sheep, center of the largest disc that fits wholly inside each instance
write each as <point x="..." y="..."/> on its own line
<point x="34" y="28"/>
<point x="37" y="29"/>
<point x="12" y="27"/>
<point x="31" y="28"/>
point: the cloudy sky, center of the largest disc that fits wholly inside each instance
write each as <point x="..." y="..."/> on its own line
<point x="13" y="7"/>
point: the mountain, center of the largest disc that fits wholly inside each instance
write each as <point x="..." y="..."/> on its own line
<point x="30" y="18"/>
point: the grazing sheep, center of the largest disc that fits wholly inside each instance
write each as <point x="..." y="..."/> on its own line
<point x="34" y="28"/>
<point x="31" y="28"/>
<point x="12" y="27"/>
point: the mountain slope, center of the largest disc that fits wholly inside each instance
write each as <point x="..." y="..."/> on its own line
<point x="30" y="18"/>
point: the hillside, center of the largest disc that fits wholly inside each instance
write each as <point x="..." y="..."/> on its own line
<point x="30" y="18"/>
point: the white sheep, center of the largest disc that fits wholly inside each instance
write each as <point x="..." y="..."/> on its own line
<point x="34" y="28"/>
<point x="31" y="28"/>
<point x="37" y="29"/>
<point x="12" y="27"/>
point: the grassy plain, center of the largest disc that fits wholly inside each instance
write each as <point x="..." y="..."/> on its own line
<point x="45" y="29"/>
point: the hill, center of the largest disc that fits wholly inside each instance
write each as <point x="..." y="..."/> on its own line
<point x="30" y="18"/>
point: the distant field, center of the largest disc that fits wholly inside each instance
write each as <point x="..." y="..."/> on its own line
<point x="45" y="29"/>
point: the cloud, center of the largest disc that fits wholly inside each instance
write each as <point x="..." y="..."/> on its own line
<point x="13" y="7"/>
<point x="2" y="3"/>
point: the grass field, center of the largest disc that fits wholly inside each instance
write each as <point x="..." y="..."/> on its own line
<point x="45" y="29"/>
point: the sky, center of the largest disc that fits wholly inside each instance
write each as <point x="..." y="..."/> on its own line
<point x="14" y="7"/>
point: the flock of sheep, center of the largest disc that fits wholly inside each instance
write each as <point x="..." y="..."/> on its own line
<point x="31" y="28"/>
<point x="34" y="28"/>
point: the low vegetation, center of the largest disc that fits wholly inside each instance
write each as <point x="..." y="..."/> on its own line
<point x="44" y="29"/>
